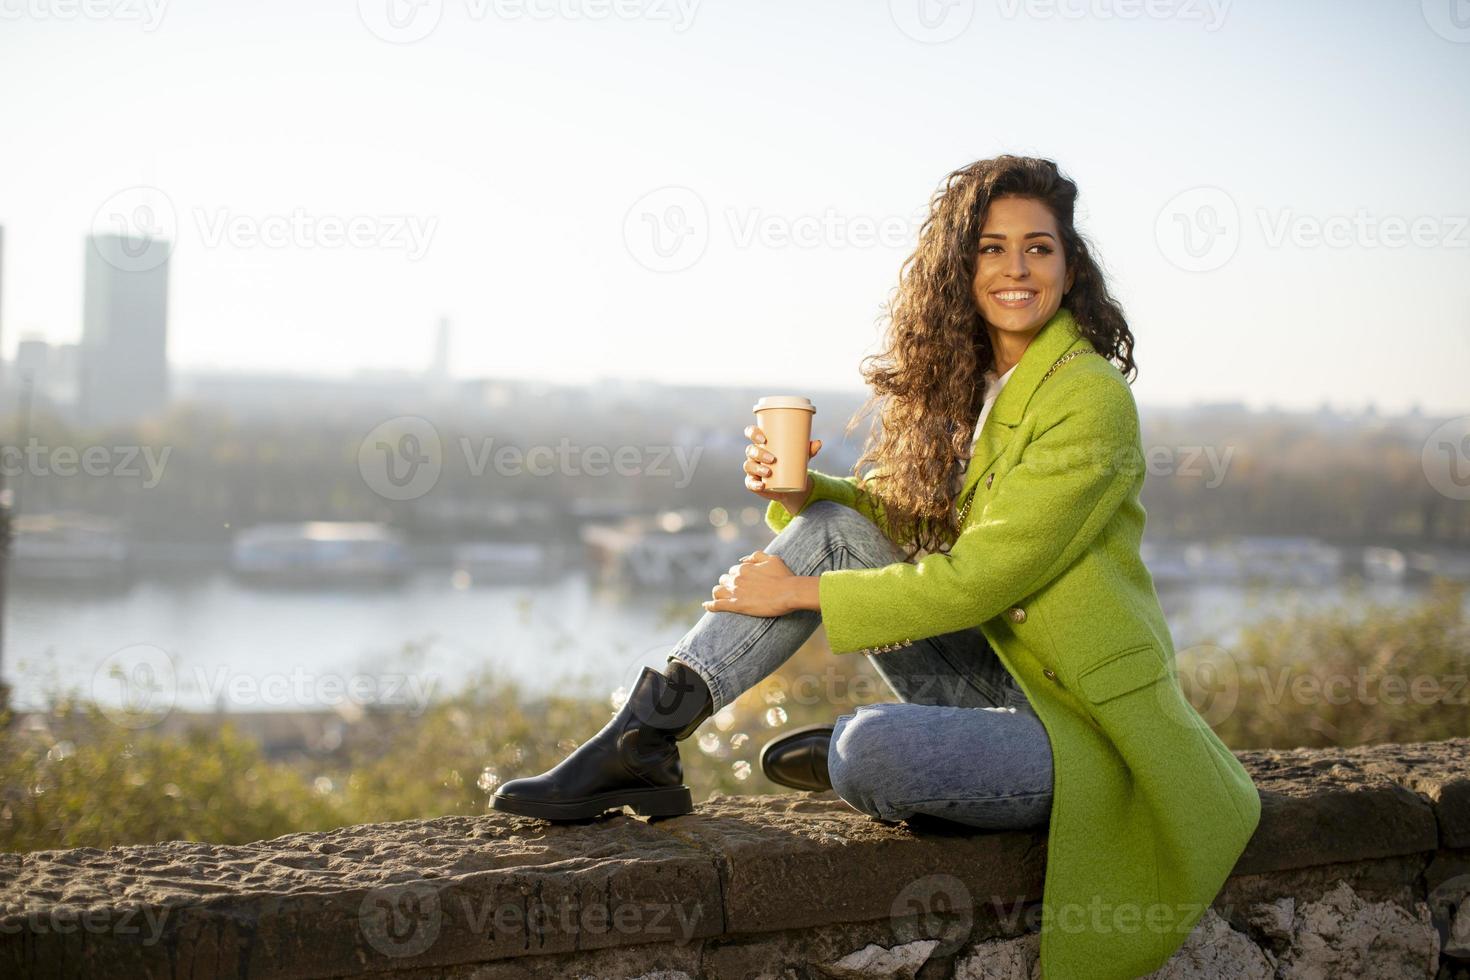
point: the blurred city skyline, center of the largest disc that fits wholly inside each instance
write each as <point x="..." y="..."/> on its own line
<point x="682" y="193"/>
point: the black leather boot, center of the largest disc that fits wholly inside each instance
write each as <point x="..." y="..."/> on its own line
<point x="632" y="761"/>
<point x="799" y="758"/>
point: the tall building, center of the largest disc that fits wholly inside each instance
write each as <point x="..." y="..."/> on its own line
<point x="440" y="367"/>
<point x="437" y="380"/>
<point x="123" y="362"/>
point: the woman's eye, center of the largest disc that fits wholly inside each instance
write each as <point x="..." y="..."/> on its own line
<point x="1045" y="249"/>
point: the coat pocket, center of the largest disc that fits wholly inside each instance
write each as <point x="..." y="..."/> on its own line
<point x="1122" y="672"/>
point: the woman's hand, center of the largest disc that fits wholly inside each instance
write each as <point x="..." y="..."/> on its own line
<point x="761" y="585"/>
<point x="757" y="468"/>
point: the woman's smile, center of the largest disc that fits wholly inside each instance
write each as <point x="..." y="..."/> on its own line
<point x="1014" y="299"/>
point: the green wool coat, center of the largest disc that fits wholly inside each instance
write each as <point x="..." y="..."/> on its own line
<point x="1150" y="810"/>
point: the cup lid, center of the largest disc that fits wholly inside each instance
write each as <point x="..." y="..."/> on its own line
<point x="783" y="401"/>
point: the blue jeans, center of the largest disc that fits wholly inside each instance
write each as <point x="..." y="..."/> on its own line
<point x="962" y="744"/>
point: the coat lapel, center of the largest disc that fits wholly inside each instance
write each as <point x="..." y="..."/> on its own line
<point x="1058" y="336"/>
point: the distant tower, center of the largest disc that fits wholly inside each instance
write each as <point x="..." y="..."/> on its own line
<point x="441" y="350"/>
<point x="439" y="385"/>
<point x="123" y="362"/>
<point x="2" y="311"/>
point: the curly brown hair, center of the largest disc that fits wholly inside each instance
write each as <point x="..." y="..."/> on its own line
<point x="929" y="381"/>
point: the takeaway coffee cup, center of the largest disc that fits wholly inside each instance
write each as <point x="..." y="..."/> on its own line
<point x="787" y="422"/>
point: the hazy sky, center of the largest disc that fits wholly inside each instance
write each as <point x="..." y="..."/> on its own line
<point x="723" y="191"/>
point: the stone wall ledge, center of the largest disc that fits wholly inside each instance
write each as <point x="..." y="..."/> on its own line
<point x="1362" y="860"/>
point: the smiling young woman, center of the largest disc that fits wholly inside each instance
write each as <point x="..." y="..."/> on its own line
<point x="988" y="564"/>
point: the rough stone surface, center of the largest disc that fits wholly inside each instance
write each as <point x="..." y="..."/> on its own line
<point x="1002" y="959"/>
<point x="1320" y="806"/>
<point x="1215" y="951"/>
<point x="1361" y="867"/>
<point x="874" y="962"/>
<point x="1342" y="935"/>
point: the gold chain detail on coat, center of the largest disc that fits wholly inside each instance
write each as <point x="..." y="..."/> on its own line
<point x="970" y="498"/>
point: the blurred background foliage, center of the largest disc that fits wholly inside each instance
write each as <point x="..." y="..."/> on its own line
<point x="74" y="777"/>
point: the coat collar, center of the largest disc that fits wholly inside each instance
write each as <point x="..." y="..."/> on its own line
<point x="1059" y="335"/>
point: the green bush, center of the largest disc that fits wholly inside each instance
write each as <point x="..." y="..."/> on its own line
<point x="75" y="778"/>
<point x="1357" y="674"/>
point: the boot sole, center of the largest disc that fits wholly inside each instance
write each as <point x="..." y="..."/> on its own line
<point x="667" y="802"/>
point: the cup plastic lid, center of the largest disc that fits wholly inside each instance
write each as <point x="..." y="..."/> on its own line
<point x="783" y="401"/>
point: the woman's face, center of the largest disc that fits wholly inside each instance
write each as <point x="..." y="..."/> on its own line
<point x="1020" y="273"/>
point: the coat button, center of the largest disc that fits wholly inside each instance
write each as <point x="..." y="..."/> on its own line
<point x="1051" y="675"/>
<point x="989" y="480"/>
<point x="1017" y="614"/>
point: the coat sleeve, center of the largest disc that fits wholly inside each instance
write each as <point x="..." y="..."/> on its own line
<point x="1070" y="479"/>
<point x="843" y="489"/>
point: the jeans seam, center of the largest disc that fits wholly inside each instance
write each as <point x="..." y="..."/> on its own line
<point x="979" y="799"/>
<point x="971" y="677"/>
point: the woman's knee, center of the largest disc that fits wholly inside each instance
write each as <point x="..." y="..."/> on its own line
<point x="830" y="511"/>
<point x="859" y="753"/>
<point x="861" y="538"/>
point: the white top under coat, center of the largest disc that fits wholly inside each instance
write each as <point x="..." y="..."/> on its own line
<point x="993" y="385"/>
